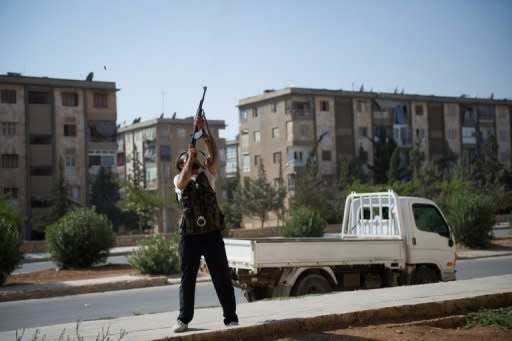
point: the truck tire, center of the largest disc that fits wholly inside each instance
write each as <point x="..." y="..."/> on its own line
<point x="424" y="275"/>
<point x="312" y="284"/>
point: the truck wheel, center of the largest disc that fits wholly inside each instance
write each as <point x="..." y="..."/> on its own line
<point x="312" y="284"/>
<point x="424" y="275"/>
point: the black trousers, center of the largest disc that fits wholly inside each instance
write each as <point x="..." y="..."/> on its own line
<point x="211" y="246"/>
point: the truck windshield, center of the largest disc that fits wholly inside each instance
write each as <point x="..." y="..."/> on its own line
<point x="428" y="219"/>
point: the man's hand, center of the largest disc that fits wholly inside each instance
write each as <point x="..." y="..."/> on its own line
<point x="199" y="122"/>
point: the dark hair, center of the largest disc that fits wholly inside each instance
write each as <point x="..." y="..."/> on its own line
<point x="179" y="161"/>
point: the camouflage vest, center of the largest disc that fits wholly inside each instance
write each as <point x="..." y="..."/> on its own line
<point x="200" y="211"/>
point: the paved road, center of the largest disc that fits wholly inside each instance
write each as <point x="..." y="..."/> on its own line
<point x="34" y="313"/>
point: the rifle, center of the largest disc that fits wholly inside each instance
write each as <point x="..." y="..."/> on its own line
<point x="197" y="134"/>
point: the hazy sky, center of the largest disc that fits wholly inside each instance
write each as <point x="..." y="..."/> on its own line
<point x="161" y="53"/>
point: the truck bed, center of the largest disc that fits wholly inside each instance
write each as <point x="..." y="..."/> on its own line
<point x="258" y="253"/>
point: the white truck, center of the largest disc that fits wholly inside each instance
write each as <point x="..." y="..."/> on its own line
<point x="385" y="240"/>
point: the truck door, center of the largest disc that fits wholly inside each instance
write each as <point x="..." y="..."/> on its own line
<point x="431" y="239"/>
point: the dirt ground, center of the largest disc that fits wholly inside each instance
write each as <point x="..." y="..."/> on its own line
<point x="405" y="333"/>
<point x="55" y="275"/>
<point x="374" y="332"/>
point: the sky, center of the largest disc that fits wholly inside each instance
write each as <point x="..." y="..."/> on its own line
<point x="161" y="53"/>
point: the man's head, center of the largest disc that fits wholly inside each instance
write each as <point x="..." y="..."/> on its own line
<point x="182" y="159"/>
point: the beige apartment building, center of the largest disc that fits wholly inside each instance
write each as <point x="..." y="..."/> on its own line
<point x="156" y="144"/>
<point x="279" y="128"/>
<point x="42" y="120"/>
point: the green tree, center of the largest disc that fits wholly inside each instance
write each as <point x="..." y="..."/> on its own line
<point x="232" y="208"/>
<point x="8" y="211"/>
<point x="136" y="198"/>
<point x="415" y="157"/>
<point x="105" y="195"/>
<point x="61" y="203"/>
<point x="310" y="189"/>
<point x="394" y="173"/>
<point x="383" y="147"/>
<point x="259" y="196"/>
<point x="492" y="167"/>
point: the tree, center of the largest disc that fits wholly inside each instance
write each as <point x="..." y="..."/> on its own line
<point x="383" y="147"/>
<point x="415" y="157"/>
<point x="447" y="161"/>
<point x="61" y="203"/>
<point x="136" y="198"/>
<point x="259" y="196"/>
<point x="105" y="195"/>
<point x="310" y="189"/>
<point x="8" y="211"/>
<point x="350" y="171"/>
<point x="394" y="173"/>
<point x="232" y="208"/>
<point x="492" y="167"/>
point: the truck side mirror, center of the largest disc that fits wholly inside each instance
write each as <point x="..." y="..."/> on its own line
<point x="450" y="242"/>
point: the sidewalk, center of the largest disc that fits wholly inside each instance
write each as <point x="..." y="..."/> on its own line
<point x="45" y="256"/>
<point x="278" y="318"/>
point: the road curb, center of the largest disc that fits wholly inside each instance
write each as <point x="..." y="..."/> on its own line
<point x="83" y="289"/>
<point x="485" y="256"/>
<point x="406" y="313"/>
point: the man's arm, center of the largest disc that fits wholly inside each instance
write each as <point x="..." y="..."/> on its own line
<point x="211" y="160"/>
<point x="186" y="173"/>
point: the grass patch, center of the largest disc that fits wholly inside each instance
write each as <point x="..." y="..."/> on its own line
<point x="498" y="317"/>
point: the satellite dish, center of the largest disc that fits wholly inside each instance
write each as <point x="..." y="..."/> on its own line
<point x="90" y="76"/>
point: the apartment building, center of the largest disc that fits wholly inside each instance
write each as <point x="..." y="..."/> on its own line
<point x="280" y="127"/>
<point x="42" y="120"/>
<point x="156" y="144"/>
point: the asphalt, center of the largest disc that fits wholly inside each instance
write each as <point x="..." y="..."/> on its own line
<point x="272" y="317"/>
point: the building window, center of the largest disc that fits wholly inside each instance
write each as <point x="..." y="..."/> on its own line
<point x="256" y="112"/>
<point x="326" y="155"/>
<point x="8" y="96"/>
<point x="11" y="192"/>
<point x="102" y="158"/>
<point x="102" y="131"/>
<point x="502" y="113"/>
<point x="100" y="100"/>
<point x="273" y="107"/>
<point x="257" y="137"/>
<point x="182" y="132"/>
<point x="243" y="116"/>
<point x="69" y="99"/>
<point x="304" y="131"/>
<point x="74" y="193"/>
<point x="503" y="136"/>
<point x="363" y="131"/>
<point x="40" y="139"/>
<point x="275" y="133"/>
<point x="420" y="133"/>
<point x="468" y="135"/>
<point x="361" y="106"/>
<point x="165" y="153"/>
<point x="246" y="163"/>
<point x="69" y="129"/>
<point x="41" y="171"/>
<point x="418" y="109"/>
<point x="451" y="110"/>
<point x="9" y="160"/>
<point x="70" y="161"/>
<point x="9" y="128"/>
<point x="504" y="157"/>
<point x="276" y="157"/>
<point x="38" y="97"/>
<point x="291" y="182"/>
<point x="324" y="106"/>
<point x="257" y="160"/>
<point x="452" y="133"/>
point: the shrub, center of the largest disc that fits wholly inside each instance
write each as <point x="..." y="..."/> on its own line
<point x="472" y="218"/>
<point x="79" y="239"/>
<point x="305" y="222"/>
<point x="10" y="252"/>
<point x="510" y="219"/>
<point x="156" y="256"/>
